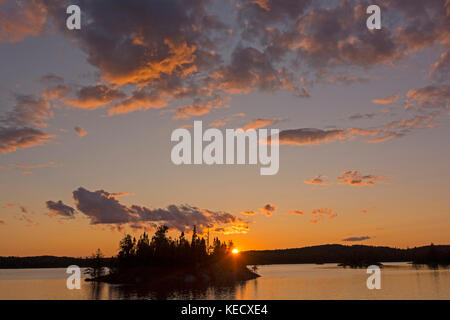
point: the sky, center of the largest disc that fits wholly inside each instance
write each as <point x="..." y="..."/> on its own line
<point x="86" y="118"/>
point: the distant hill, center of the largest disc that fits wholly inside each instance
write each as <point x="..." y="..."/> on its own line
<point x="349" y="255"/>
<point x="355" y="255"/>
<point x="43" y="262"/>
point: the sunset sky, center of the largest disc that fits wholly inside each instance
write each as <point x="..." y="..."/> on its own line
<point x="86" y="118"/>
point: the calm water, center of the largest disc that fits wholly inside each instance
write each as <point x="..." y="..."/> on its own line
<point x="301" y="281"/>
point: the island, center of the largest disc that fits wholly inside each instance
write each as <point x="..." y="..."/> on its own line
<point x="163" y="261"/>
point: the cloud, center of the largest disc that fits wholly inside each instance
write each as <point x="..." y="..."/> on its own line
<point x="355" y="178"/>
<point x="295" y="212"/>
<point x="29" y="110"/>
<point x="102" y="207"/>
<point x="56" y="92"/>
<point x="322" y="214"/>
<point x="12" y="139"/>
<point x="60" y="209"/>
<point x="188" y="111"/>
<point x="268" y="209"/>
<point x="249" y="213"/>
<point x="383" y="133"/>
<point x="261" y="123"/>
<point x="200" y="108"/>
<point x="356" y="239"/>
<point x="365" y="211"/>
<point x="249" y="45"/>
<point x="346" y="79"/>
<point x="309" y="136"/>
<point x="139" y="100"/>
<point x="358" y="116"/>
<point x="81" y="132"/>
<point x="318" y="181"/>
<point x="430" y="96"/>
<point x="92" y="97"/>
<point x="183" y="218"/>
<point x="20" y="19"/>
<point x="386" y="100"/>
<point x="440" y="70"/>
<point x="146" y="48"/>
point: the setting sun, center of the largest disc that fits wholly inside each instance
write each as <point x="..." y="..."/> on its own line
<point x="235" y="251"/>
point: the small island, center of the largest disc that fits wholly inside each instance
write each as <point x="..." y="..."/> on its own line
<point x="163" y="261"/>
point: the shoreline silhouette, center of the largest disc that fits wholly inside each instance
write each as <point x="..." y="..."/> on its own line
<point x="345" y="255"/>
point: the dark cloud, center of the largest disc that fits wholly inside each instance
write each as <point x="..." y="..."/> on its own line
<point x="354" y="239"/>
<point x="161" y="38"/>
<point x="16" y="126"/>
<point x="81" y="132"/>
<point x="268" y="209"/>
<point x="12" y="138"/>
<point x="183" y="217"/>
<point x="173" y="50"/>
<point x="60" y="209"/>
<point x="103" y="208"/>
<point x="309" y="136"/>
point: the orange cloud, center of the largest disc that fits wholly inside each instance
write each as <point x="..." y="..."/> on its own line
<point x="386" y="100"/>
<point x="140" y="100"/>
<point x="319" y="181"/>
<point x="92" y="97"/>
<point x="249" y="213"/>
<point x="296" y="212"/>
<point x="261" y="123"/>
<point x="321" y="214"/>
<point x="179" y="55"/>
<point x="80" y="131"/>
<point x="21" y="19"/>
<point x="355" y="178"/>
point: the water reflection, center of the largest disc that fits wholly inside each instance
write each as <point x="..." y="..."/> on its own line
<point x="399" y="281"/>
<point x="165" y="293"/>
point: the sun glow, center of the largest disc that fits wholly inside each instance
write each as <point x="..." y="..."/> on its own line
<point x="235" y="251"/>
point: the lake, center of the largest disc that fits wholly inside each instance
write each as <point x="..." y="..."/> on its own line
<point x="290" y="282"/>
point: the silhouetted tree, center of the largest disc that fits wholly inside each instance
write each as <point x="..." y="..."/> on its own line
<point x="96" y="268"/>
